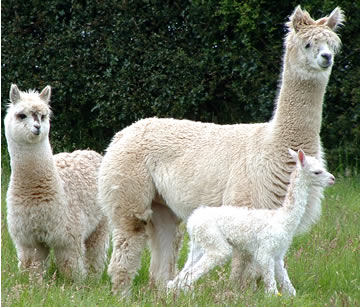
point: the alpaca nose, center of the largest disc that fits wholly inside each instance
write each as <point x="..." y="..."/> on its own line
<point x="36" y="129"/>
<point x="326" y="59"/>
<point x="327" y="56"/>
<point x="332" y="180"/>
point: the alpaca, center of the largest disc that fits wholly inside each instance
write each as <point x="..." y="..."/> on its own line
<point x="264" y="234"/>
<point x="51" y="200"/>
<point x="157" y="171"/>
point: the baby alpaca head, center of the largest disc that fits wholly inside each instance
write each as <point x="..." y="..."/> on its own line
<point x="312" y="169"/>
<point x="312" y="44"/>
<point x="28" y="116"/>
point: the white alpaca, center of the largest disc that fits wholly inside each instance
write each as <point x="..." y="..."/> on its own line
<point x="157" y="171"/>
<point x="51" y="200"/>
<point x="264" y="234"/>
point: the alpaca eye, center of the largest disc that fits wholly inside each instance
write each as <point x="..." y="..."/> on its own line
<point x="21" y="116"/>
<point x="317" y="172"/>
<point x="308" y="45"/>
<point x="43" y="117"/>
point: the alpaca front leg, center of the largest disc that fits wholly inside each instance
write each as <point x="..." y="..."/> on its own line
<point x="70" y="261"/>
<point x="32" y="258"/>
<point x="283" y="279"/>
<point x="96" y="249"/>
<point x="267" y="267"/>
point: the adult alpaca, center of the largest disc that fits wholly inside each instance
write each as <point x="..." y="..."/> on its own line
<point x="158" y="171"/>
<point x="51" y="200"/>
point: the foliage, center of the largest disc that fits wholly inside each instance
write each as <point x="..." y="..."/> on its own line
<point x="113" y="62"/>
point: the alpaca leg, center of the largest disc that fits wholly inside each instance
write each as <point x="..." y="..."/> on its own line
<point x="32" y="258"/>
<point x="96" y="248"/>
<point x="267" y="266"/>
<point x="241" y="269"/>
<point x="70" y="260"/>
<point x="194" y="256"/>
<point x="283" y="279"/>
<point x="250" y="273"/>
<point x="206" y="263"/>
<point x="164" y="243"/>
<point x="129" y="240"/>
<point x="213" y="250"/>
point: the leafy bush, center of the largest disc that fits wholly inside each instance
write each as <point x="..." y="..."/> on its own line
<point x="113" y="62"/>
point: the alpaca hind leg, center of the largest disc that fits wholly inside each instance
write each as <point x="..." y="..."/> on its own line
<point x="164" y="243"/>
<point x="33" y="258"/>
<point x="70" y="260"/>
<point x="283" y="279"/>
<point x="195" y="254"/>
<point x="129" y="240"/>
<point x="241" y="269"/>
<point x="214" y="250"/>
<point x="206" y="263"/>
<point x="96" y="248"/>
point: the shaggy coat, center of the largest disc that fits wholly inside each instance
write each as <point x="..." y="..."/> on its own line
<point x="264" y="235"/>
<point x="51" y="200"/>
<point x="158" y="171"/>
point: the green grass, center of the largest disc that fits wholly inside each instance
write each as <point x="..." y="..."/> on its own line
<point x="324" y="266"/>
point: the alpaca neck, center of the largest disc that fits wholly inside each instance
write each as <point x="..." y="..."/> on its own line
<point x="295" y="202"/>
<point x="32" y="165"/>
<point x="298" y="114"/>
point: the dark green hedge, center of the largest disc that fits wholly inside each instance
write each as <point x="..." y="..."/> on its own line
<point x="113" y="62"/>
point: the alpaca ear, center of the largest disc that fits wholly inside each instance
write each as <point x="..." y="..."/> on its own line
<point x="301" y="156"/>
<point x="299" y="18"/>
<point x="45" y="94"/>
<point x="293" y="154"/>
<point x="335" y="19"/>
<point x="14" y="94"/>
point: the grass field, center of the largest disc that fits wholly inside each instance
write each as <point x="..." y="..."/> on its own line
<point x="324" y="266"/>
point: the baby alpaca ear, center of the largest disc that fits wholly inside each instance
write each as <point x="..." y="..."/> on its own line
<point x="45" y="94"/>
<point x="14" y="94"/>
<point x="335" y="19"/>
<point x="294" y="155"/>
<point x="301" y="156"/>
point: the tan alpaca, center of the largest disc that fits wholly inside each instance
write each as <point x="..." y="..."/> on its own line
<point x="158" y="171"/>
<point x="51" y="200"/>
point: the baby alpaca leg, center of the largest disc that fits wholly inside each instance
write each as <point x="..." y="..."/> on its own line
<point x="32" y="258"/>
<point x="70" y="260"/>
<point x="266" y="265"/>
<point x="96" y="248"/>
<point x="243" y="271"/>
<point x="283" y="278"/>
<point x="194" y="256"/>
<point x="215" y="252"/>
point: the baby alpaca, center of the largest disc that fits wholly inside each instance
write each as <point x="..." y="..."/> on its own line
<point x="51" y="200"/>
<point x="263" y="234"/>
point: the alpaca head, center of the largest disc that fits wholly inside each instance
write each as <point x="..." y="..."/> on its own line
<point x="312" y="44"/>
<point x="312" y="170"/>
<point x="28" y="116"/>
